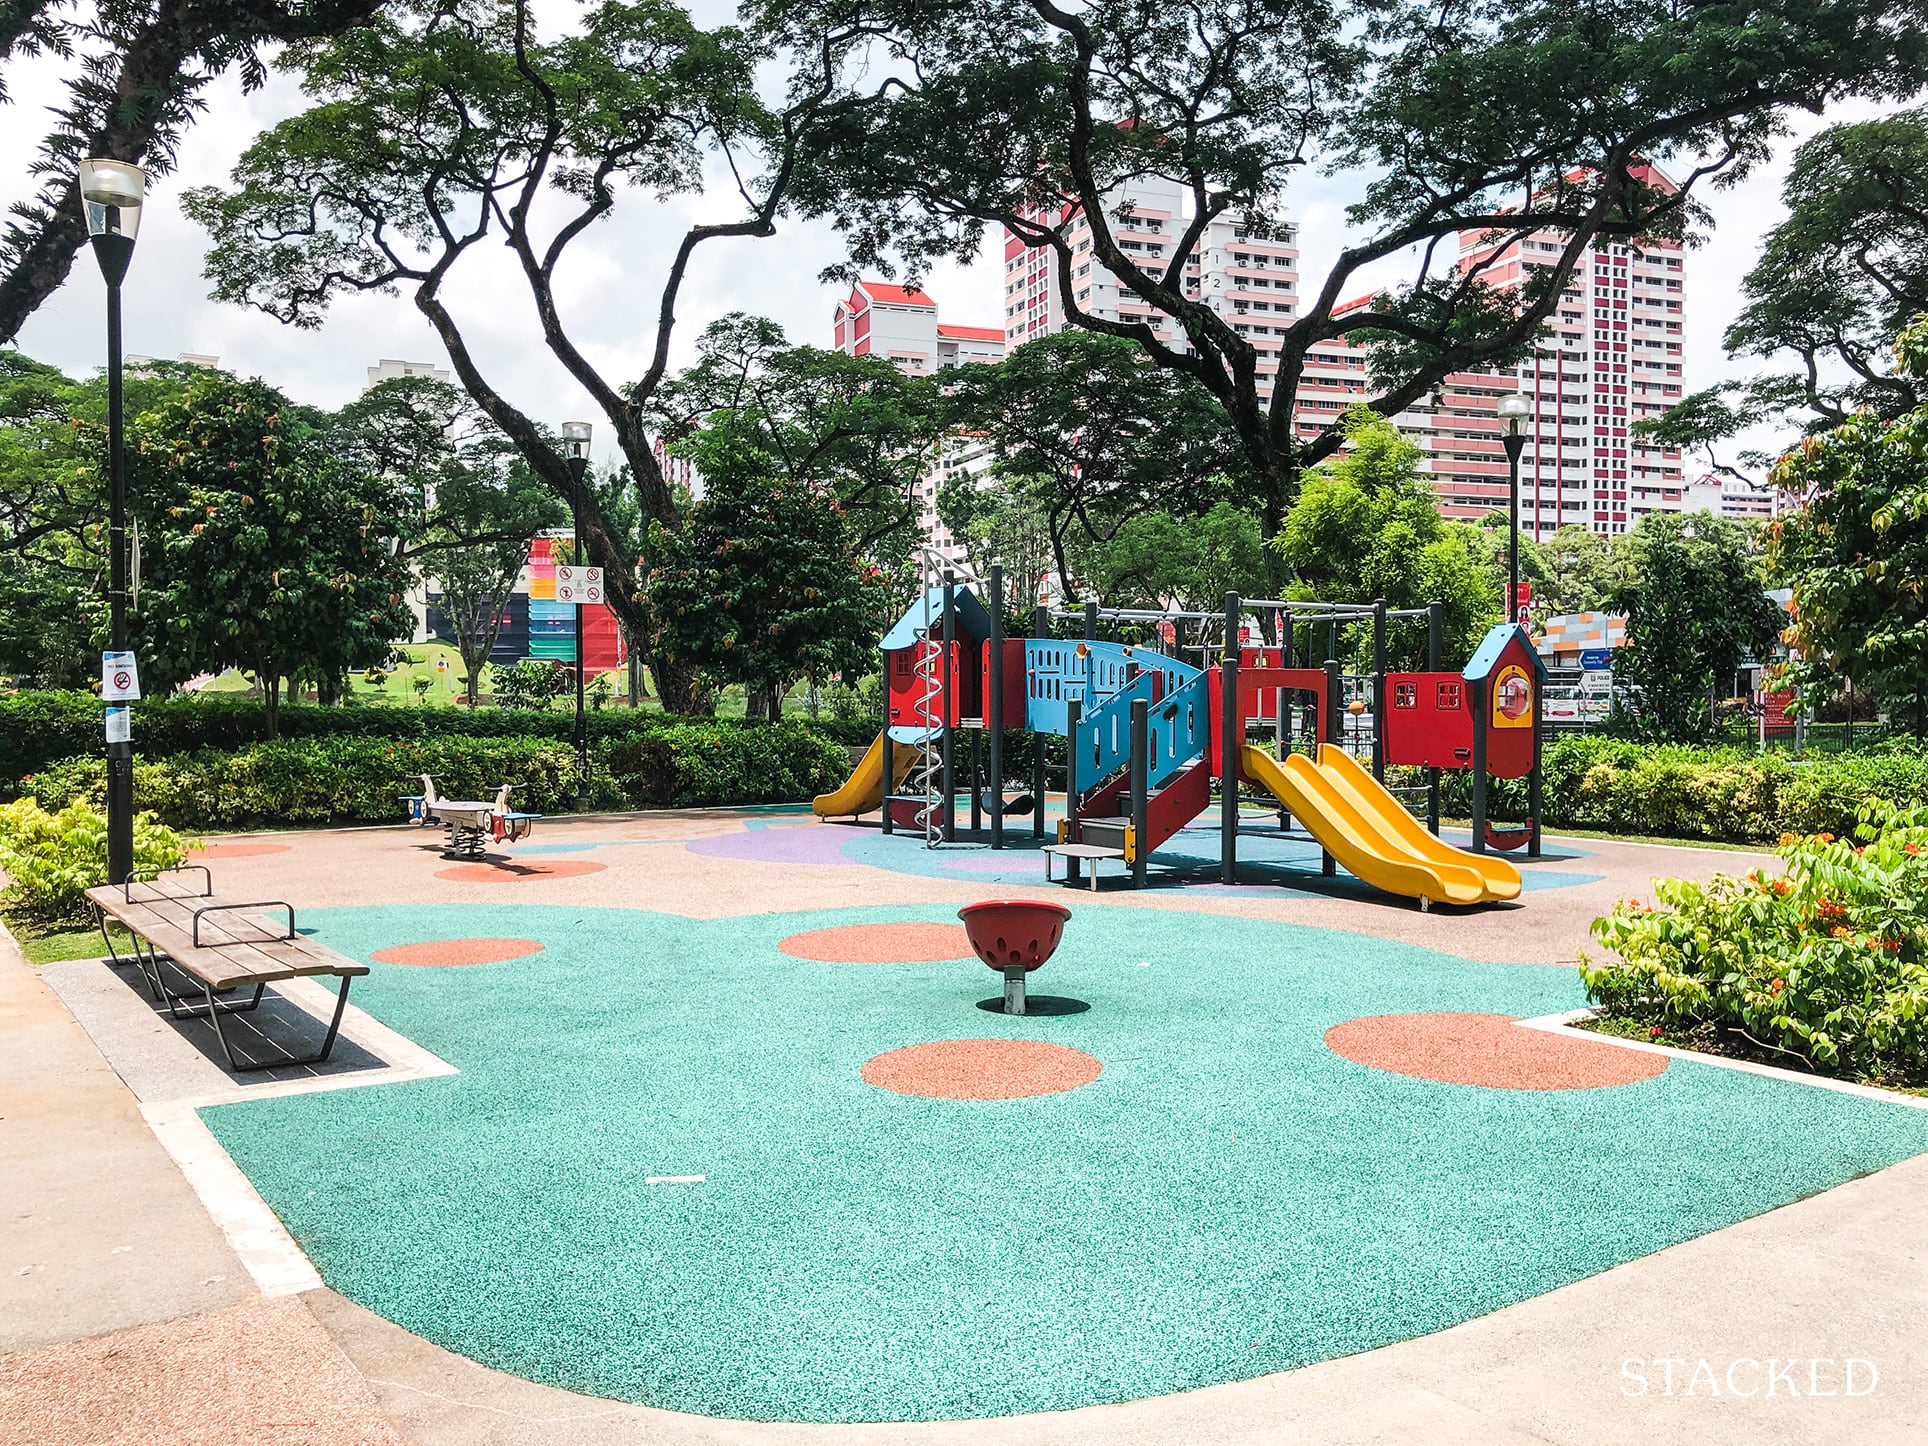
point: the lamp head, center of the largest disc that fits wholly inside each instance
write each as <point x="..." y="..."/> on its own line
<point x="1514" y="410"/>
<point x="575" y="439"/>
<point x="112" y="192"/>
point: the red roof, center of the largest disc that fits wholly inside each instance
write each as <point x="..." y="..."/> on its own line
<point x="905" y="295"/>
<point x="970" y="333"/>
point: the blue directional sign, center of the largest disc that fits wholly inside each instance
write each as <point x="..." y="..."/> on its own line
<point x="1597" y="660"/>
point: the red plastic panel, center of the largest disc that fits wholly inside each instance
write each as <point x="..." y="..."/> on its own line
<point x="1429" y="720"/>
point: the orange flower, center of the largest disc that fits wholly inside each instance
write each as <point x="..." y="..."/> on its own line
<point x="1783" y="887"/>
<point x="1786" y="839"/>
<point x="1778" y="985"/>
<point x="1824" y="838"/>
<point x="1841" y="931"/>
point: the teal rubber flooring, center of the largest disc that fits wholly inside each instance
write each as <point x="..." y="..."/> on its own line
<point x="1227" y="1198"/>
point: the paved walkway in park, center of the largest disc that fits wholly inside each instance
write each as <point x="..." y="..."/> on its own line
<point x="128" y="1314"/>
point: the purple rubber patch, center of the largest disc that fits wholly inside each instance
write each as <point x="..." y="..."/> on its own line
<point x="803" y="844"/>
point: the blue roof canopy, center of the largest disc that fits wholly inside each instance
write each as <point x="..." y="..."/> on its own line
<point x="1487" y="656"/>
<point x="973" y="618"/>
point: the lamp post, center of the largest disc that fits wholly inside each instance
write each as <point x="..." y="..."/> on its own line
<point x="1514" y="409"/>
<point x="111" y="192"/>
<point x="575" y="436"/>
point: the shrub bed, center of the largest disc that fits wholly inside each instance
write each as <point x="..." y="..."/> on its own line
<point x="1709" y="793"/>
<point x="51" y="859"/>
<point x="1824" y="966"/>
<point x="304" y="781"/>
<point x="38" y="729"/>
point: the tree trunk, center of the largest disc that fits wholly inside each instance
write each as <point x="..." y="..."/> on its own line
<point x="271" y="703"/>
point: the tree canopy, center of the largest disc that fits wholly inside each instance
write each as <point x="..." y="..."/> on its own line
<point x="1506" y="121"/>
<point x="437" y="129"/>
<point x="138" y="72"/>
<point x="262" y="550"/>
<point x="1695" y="610"/>
<point x="1856" y="550"/>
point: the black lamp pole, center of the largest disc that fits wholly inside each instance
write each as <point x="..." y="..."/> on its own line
<point x="578" y="467"/>
<point x="111" y="193"/>
<point x="1515" y="443"/>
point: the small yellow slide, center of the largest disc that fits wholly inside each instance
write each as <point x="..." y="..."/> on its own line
<point x="1364" y="827"/>
<point x="864" y="789"/>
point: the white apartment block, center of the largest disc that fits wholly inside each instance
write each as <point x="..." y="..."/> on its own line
<point x="1613" y="356"/>
<point x="900" y="323"/>
<point x="387" y="370"/>
<point x="1725" y="497"/>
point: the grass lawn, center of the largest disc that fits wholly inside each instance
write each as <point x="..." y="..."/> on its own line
<point x="438" y="665"/>
<point x="50" y="943"/>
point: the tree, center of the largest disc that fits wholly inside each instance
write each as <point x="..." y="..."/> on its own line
<point x="763" y="585"/>
<point x="140" y="67"/>
<point x="437" y="130"/>
<point x="854" y="423"/>
<point x="1096" y="435"/>
<point x="1840" y="275"/>
<point x="1582" y="570"/>
<point x="1002" y="520"/>
<point x="1366" y="526"/>
<point x="1856" y="551"/>
<point x="1155" y="559"/>
<point x="52" y="554"/>
<point x="470" y="503"/>
<point x="1501" y="122"/>
<point x="262" y="550"/>
<point x="1695" y="610"/>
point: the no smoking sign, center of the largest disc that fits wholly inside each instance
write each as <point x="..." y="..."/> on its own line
<point x="120" y="680"/>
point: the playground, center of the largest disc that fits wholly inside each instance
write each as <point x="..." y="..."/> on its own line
<point x="650" y="1123"/>
<point x="718" y="1115"/>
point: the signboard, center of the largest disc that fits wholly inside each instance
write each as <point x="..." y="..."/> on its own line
<point x="1596" y="660"/>
<point x="1525" y="615"/>
<point x="120" y="680"/>
<point x="1596" y="682"/>
<point x="578" y="584"/>
<point x="120" y="725"/>
<point x="1522" y="594"/>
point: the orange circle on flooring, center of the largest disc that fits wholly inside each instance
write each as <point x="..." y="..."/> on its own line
<point x="238" y="850"/>
<point x="513" y="871"/>
<point x="1489" y="1050"/>
<point x="982" y="1069"/>
<point x="445" y="952"/>
<point x="880" y="944"/>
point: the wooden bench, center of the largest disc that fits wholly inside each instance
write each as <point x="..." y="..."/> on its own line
<point x="220" y="945"/>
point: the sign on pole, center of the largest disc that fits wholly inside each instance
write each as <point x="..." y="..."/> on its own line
<point x="578" y="584"/>
<point x="120" y="680"/>
<point x="1597" y="660"/>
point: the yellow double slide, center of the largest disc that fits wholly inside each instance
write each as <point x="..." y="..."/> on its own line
<point x="1372" y="836"/>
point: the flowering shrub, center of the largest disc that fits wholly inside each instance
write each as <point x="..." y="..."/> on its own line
<point x="52" y="858"/>
<point x="1826" y="963"/>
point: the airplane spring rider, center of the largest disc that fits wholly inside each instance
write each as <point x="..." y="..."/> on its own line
<point x="472" y="824"/>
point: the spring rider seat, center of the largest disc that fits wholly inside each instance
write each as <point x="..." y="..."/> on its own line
<point x="1014" y="936"/>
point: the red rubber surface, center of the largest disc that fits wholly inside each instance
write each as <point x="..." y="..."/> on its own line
<point x="513" y="872"/>
<point x="879" y="944"/>
<point x="444" y="952"/>
<point x="982" y="1069"/>
<point x="1489" y="1050"/>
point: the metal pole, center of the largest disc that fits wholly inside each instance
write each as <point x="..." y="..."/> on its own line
<point x="120" y="755"/>
<point x="977" y="780"/>
<point x="1435" y="640"/>
<point x="1478" y="701"/>
<point x="1231" y="734"/>
<point x="1515" y="443"/>
<point x="1140" y="791"/>
<point x="994" y="709"/>
<point x="1071" y="711"/>
<point x="1091" y="622"/>
<point x="890" y="763"/>
<point x="948" y="738"/>
<point x="578" y="466"/>
<point x="1533" y="784"/>
<point x="1379" y="689"/>
<point x="1040" y="628"/>
<point x="1332" y="726"/>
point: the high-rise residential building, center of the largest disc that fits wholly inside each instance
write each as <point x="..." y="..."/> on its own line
<point x="1726" y="497"/>
<point x="387" y="370"/>
<point x="900" y="323"/>
<point x="1613" y="355"/>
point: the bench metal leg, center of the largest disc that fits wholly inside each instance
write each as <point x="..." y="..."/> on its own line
<point x="285" y="1058"/>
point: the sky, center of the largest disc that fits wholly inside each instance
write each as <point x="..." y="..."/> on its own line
<point x="609" y="286"/>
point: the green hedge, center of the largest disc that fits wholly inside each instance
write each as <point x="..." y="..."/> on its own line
<point x="305" y="781"/>
<point x="1729" y="794"/>
<point x="39" y="728"/>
